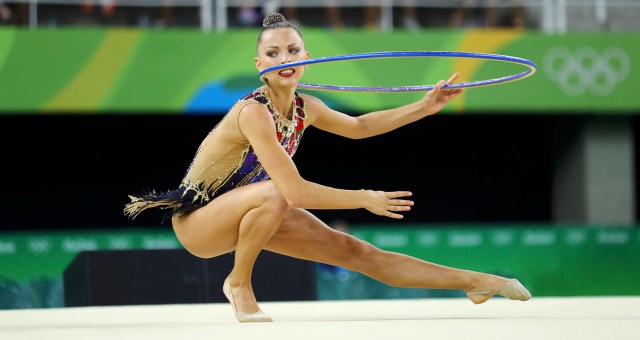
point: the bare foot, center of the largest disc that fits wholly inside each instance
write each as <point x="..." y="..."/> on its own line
<point x="492" y="284"/>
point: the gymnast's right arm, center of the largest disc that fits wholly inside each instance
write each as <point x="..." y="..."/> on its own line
<point x="257" y="126"/>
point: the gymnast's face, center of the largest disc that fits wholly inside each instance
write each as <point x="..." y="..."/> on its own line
<point x="281" y="46"/>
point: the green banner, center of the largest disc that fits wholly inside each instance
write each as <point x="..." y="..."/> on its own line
<point x="32" y="263"/>
<point x="566" y="261"/>
<point x="116" y="70"/>
<point x="550" y="261"/>
<point x="24" y="256"/>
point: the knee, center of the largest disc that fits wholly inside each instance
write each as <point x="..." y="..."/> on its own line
<point x="359" y="254"/>
<point x="273" y="200"/>
<point x="267" y="214"/>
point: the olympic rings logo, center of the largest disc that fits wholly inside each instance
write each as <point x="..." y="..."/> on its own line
<point x="39" y="245"/>
<point x="587" y="69"/>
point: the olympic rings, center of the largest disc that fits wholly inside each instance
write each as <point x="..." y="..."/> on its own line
<point x="587" y="69"/>
<point x="371" y="55"/>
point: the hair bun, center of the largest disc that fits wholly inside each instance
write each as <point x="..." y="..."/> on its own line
<point x="273" y="18"/>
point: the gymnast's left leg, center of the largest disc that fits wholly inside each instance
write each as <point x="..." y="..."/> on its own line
<point x="302" y="235"/>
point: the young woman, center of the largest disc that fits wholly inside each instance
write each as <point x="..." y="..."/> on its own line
<point x="243" y="193"/>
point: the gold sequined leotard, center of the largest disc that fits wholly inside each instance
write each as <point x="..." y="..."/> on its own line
<point x="217" y="168"/>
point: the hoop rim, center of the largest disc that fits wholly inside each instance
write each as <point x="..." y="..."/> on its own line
<point x="531" y="69"/>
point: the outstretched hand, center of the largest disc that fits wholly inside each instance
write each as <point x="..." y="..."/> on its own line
<point x="389" y="203"/>
<point x="438" y="97"/>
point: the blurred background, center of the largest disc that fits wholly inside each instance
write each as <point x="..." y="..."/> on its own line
<point x="534" y="179"/>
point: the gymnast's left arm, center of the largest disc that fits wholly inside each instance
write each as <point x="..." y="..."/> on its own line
<point x="379" y="122"/>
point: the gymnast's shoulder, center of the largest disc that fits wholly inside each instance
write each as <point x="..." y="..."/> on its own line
<point x="313" y="103"/>
<point x="315" y="108"/>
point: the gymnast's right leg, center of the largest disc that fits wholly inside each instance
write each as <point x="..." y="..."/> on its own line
<point x="243" y="220"/>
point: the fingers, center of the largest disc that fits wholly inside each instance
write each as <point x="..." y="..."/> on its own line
<point x="397" y="205"/>
<point x="396" y="194"/>
<point x="453" y="77"/>
<point x="401" y="203"/>
<point x="442" y="83"/>
<point x="441" y="91"/>
<point x="390" y="203"/>
<point x="395" y="216"/>
<point x="455" y="93"/>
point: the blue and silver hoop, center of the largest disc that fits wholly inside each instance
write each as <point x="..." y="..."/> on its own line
<point x="531" y="69"/>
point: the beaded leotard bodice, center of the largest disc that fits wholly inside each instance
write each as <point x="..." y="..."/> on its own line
<point x="215" y="170"/>
<point x="218" y="167"/>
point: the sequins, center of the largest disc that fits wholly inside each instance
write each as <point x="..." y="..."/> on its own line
<point x="214" y="173"/>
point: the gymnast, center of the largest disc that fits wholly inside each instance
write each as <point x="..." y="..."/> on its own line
<point x="243" y="193"/>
